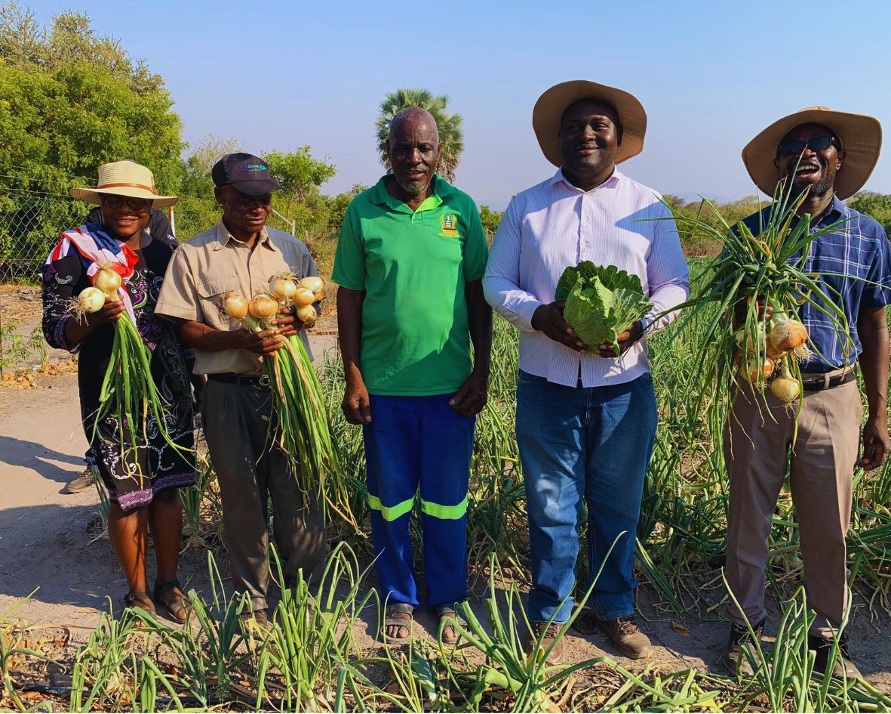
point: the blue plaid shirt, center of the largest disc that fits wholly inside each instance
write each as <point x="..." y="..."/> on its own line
<point x="859" y="249"/>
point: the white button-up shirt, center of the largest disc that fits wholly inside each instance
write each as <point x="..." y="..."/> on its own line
<point x="554" y="225"/>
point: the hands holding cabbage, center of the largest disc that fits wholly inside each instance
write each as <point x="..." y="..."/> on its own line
<point x="597" y="310"/>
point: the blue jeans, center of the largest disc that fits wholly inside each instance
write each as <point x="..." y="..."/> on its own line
<point x="412" y="444"/>
<point x="594" y="442"/>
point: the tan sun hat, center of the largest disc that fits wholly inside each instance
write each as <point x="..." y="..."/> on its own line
<point x="124" y="178"/>
<point x="860" y="137"/>
<point x="550" y="106"/>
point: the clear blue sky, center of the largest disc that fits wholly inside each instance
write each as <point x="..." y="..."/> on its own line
<point x="710" y="75"/>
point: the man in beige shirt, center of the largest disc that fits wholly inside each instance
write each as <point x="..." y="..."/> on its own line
<point x="240" y="254"/>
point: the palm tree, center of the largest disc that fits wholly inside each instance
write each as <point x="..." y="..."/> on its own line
<point x="451" y="138"/>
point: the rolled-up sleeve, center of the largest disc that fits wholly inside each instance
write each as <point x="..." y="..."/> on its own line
<point x="501" y="283"/>
<point x="178" y="297"/>
<point x="667" y="273"/>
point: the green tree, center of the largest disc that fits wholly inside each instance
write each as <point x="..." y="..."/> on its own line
<point x="875" y="205"/>
<point x="451" y="136"/>
<point x="491" y="219"/>
<point x="299" y="174"/>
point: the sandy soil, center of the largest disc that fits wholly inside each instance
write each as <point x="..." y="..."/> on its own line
<point x="48" y="543"/>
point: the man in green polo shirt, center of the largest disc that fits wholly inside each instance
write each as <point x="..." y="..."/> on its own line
<point x="409" y="263"/>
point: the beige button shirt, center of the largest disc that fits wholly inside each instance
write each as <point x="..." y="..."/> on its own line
<point x="211" y="264"/>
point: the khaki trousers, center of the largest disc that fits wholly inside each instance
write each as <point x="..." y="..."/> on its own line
<point x="236" y="419"/>
<point x="756" y="449"/>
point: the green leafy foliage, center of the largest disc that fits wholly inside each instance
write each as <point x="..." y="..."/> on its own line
<point x="451" y="137"/>
<point x="601" y="302"/>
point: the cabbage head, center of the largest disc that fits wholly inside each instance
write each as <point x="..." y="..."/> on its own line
<point x="601" y="302"/>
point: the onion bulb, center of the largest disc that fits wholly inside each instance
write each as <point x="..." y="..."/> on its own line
<point x="235" y="305"/>
<point x="313" y="283"/>
<point x="91" y="300"/>
<point x="753" y="372"/>
<point x="282" y="287"/>
<point x="107" y="280"/>
<point x="303" y="296"/>
<point x="785" y="389"/>
<point x="307" y="314"/>
<point x="774" y="353"/>
<point x="787" y="335"/>
<point x="263" y="306"/>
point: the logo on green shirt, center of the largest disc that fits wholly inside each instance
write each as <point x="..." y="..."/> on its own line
<point x="449" y="223"/>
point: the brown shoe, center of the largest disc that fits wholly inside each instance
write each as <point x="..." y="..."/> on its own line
<point x="546" y="634"/>
<point x="626" y="636"/>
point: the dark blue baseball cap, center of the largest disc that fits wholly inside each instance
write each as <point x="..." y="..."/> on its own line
<point x="246" y="173"/>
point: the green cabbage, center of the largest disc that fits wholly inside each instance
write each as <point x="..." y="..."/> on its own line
<point x="601" y="302"/>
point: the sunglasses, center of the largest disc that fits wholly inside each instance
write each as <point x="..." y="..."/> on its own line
<point x="140" y="205"/>
<point x="818" y="143"/>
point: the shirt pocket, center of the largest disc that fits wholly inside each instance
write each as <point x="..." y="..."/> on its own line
<point x="210" y="294"/>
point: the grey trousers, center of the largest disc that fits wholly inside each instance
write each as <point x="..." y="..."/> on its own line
<point x="756" y="448"/>
<point x="236" y="419"/>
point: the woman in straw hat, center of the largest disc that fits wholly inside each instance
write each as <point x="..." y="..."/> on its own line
<point x="150" y="498"/>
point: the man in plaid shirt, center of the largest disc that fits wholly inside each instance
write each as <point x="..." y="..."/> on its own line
<point x="832" y="154"/>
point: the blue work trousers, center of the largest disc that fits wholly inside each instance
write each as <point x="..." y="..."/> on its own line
<point x="591" y="444"/>
<point x="415" y="442"/>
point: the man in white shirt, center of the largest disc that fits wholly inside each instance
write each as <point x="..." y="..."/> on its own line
<point x="585" y="421"/>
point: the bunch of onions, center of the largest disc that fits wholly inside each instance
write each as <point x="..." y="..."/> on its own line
<point x="753" y="272"/>
<point x="302" y="429"/>
<point x="128" y="392"/>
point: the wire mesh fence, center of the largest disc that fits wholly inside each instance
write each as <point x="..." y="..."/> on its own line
<point x="30" y="223"/>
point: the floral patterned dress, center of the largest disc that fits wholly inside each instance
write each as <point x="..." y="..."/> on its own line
<point x="158" y="466"/>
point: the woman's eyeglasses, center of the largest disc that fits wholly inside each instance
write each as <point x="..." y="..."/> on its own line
<point x="817" y="143"/>
<point x="140" y="205"/>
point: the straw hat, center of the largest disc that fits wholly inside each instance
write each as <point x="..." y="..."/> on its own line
<point x="860" y="137"/>
<point x="550" y="106"/>
<point x="124" y="178"/>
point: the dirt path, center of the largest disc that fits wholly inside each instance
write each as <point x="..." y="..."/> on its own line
<point x="48" y="541"/>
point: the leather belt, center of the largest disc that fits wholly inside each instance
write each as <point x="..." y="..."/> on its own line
<point x="253" y="380"/>
<point x="816" y="384"/>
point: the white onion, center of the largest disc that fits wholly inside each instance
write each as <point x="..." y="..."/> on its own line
<point x="235" y="305"/>
<point x="307" y="314"/>
<point x="313" y="283"/>
<point x="263" y="306"/>
<point x="303" y="296"/>
<point x="282" y="288"/>
<point x="91" y="300"/>
<point x="107" y="280"/>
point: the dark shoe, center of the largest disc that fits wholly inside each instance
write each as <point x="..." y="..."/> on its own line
<point x="447" y="619"/>
<point x="734" y="660"/>
<point x="546" y="634"/>
<point x="626" y="636"/>
<point x="81" y="483"/>
<point x="843" y="667"/>
<point x="255" y="622"/>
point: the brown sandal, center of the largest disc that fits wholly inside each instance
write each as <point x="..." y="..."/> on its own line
<point x="447" y="619"/>
<point x="399" y="615"/>
<point x="139" y="601"/>
<point x="177" y="605"/>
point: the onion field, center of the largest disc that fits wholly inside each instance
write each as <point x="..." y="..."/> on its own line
<point x="312" y="660"/>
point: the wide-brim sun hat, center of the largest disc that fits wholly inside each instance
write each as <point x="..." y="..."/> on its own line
<point x="860" y="137"/>
<point x="555" y="101"/>
<point x="124" y="178"/>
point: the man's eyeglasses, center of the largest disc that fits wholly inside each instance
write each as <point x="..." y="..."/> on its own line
<point x="140" y="205"/>
<point x="817" y="143"/>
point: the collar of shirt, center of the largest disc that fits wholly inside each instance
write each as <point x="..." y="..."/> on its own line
<point x="611" y="182"/>
<point x="836" y="210"/>
<point x="224" y="237"/>
<point x="441" y="190"/>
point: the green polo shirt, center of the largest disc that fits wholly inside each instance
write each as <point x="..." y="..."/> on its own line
<point x="413" y="268"/>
